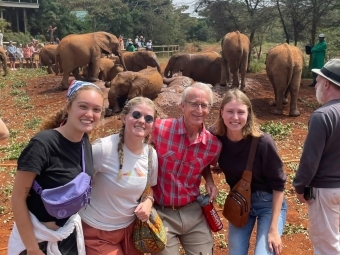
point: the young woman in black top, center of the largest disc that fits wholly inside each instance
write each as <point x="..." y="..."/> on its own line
<point x="53" y="158"/>
<point x="235" y="128"/>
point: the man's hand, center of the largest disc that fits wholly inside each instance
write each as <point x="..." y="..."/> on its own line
<point x="301" y="198"/>
<point x="211" y="190"/>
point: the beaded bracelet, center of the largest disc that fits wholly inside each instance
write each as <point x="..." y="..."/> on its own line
<point x="151" y="198"/>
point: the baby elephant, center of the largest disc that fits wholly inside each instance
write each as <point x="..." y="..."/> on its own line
<point x="127" y="85"/>
<point x="284" y="65"/>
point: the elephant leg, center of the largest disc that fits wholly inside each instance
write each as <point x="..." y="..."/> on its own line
<point x="294" y="88"/>
<point x="271" y="79"/>
<point x="224" y="73"/>
<point x="94" y="69"/>
<point x="76" y="74"/>
<point x="49" y="69"/>
<point x="280" y="92"/>
<point x="235" y="79"/>
<point x="285" y="99"/>
<point x="64" y="81"/>
<point x="243" y="69"/>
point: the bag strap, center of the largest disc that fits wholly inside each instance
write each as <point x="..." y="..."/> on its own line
<point x="36" y="186"/>
<point x="252" y="152"/>
<point x="146" y="191"/>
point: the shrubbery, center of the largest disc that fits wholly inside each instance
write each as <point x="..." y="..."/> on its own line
<point x="17" y="37"/>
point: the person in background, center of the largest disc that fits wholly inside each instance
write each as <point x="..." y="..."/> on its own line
<point x="235" y="128"/>
<point x="11" y="51"/>
<point x="121" y="42"/>
<point x="4" y="133"/>
<point x="20" y="55"/>
<point x="130" y="46"/>
<point x="149" y="45"/>
<point x="121" y="169"/>
<point x="57" y="40"/>
<point x="319" y="166"/>
<point x="185" y="152"/>
<point x="318" y="56"/>
<point x="136" y="42"/>
<point x="50" y="32"/>
<point x="28" y="53"/>
<point x="36" y="50"/>
<point x="1" y="38"/>
<point x="53" y="158"/>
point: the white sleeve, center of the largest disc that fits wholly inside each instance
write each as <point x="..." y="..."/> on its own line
<point x="154" y="173"/>
<point x="97" y="152"/>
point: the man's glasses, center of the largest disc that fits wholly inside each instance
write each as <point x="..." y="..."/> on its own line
<point x="195" y="105"/>
<point x="137" y="115"/>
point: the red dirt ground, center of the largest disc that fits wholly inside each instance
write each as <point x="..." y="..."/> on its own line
<point x="45" y="97"/>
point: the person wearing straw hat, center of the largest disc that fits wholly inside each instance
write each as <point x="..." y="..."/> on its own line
<point x="319" y="168"/>
<point x="318" y="56"/>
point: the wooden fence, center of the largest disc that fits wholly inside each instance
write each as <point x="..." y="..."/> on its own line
<point x="165" y="49"/>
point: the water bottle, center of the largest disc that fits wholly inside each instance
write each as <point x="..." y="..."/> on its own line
<point x="210" y="213"/>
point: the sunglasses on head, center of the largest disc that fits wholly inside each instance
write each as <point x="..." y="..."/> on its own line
<point x="137" y="115"/>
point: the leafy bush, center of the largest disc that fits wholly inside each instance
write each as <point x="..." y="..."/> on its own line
<point x="17" y="37"/>
<point x="256" y="65"/>
<point x="276" y="129"/>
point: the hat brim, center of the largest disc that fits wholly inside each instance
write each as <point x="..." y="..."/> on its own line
<point x="318" y="72"/>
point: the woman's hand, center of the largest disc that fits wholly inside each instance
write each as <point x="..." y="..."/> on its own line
<point x="143" y="210"/>
<point x="274" y="242"/>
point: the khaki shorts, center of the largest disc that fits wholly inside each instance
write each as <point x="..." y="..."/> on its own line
<point x="36" y="57"/>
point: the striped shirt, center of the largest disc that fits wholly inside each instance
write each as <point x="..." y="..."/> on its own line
<point x="180" y="163"/>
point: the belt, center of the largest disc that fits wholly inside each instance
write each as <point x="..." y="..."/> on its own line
<point x="172" y="207"/>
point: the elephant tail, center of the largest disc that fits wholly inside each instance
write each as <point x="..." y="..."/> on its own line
<point x="290" y="64"/>
<point x="239" y="41"/>
<point x="57" y="63"/>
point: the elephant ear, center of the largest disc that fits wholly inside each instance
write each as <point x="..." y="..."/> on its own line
<point x="139" y="84"/>
<point x="104" y="40"/>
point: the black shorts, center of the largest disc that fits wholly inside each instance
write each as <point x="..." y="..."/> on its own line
<point x="67" y="246"/>
<point x="11" y="57"/>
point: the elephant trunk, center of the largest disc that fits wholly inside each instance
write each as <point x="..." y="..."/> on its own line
<point x="121" y="59"/>
<point x="3" y="59"/>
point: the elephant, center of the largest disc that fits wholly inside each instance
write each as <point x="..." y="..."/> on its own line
<point x="136" y="61"/>
<point x="284" y="66"/>
<point x="204" y="67"/>
<point x="78" y="50"/>
<point x="177" y="83"/>
<point x="127" y="85"/>
<point x="108" y="69"/>
<point x="47" y="56"/>
<point x="3" y="60"/>
<point x="235" y="51"/>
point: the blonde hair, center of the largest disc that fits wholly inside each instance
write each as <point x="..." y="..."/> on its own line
<point x="199" y="85"/>
<point x="251" y="128"/>
<point x="126" y="110"/>
<point x="60" y="117"/>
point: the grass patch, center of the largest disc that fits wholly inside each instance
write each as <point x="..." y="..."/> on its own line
<point x="33" y="124"/>
<point x="18" y="84"/>
<point x="256" y="65"/>
<point x="277" y="130"/>
<point x="13" y="133"/>
<point x="14" y="150"/>
<point x="291" y="229"/>
<point x="293" y="166"/>
<point x="6" y="190"/>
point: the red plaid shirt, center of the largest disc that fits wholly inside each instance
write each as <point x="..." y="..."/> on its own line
<point x="180" y="164"/>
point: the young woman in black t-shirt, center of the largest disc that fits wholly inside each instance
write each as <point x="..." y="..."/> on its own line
<point x="53" y="158"/>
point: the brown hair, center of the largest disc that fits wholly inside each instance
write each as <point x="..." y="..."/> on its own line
<point x="55" y="120"/>
<point x="126" y="110"/>
<point x="251" y="127"/>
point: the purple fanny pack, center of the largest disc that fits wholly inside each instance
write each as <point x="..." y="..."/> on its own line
<point x="64" y="201"/>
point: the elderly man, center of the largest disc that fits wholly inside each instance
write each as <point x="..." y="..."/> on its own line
<point x="318" y="175"/>
<point x="185" y="152"/>
<point x="12" y="50"/>
<point x="318" y="56"/>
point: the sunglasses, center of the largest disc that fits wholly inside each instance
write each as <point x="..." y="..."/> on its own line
<point x="137" y="115"/>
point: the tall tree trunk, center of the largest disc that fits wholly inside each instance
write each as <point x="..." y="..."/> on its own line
<point x="283" y="23"/>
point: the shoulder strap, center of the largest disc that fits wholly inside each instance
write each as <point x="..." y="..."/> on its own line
<point x="252" y="152"/>
<point x="146" y="191"/>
